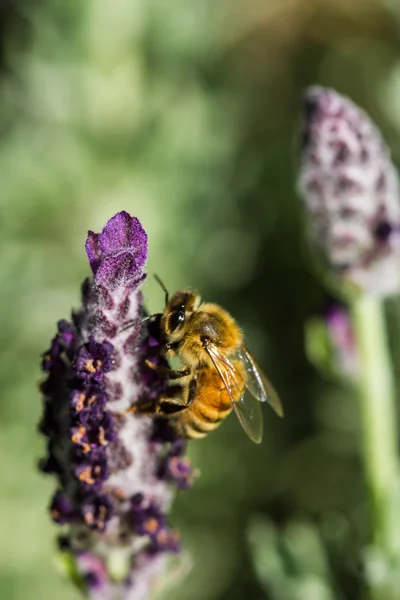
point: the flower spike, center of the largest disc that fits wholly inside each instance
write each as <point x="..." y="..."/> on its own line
<point x="116" y="470"/>
<point x="351" y="191"/>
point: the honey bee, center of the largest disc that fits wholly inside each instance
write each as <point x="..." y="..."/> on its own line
<point x="217" y="370"/>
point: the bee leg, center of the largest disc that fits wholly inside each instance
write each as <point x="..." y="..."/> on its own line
<point x="178" y="374"/>
<point x="170" y="373"/>
<point x="143" y="406"/>
<point x="168" y="407"/>
<point x="162" y="406"/>
<point x="177" y="402"/>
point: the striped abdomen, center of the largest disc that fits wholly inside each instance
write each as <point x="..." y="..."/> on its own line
<point x="210" y="405"/>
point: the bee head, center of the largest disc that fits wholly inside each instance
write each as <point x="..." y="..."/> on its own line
<point x="177" y="313"/>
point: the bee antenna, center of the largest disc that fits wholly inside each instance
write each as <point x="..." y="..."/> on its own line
<point x="130" y="324"/>
<point x="134" y="322"/>
<point x="156" y="277"/>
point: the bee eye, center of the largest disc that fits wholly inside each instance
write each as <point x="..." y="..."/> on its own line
<point x="177" y="318"/>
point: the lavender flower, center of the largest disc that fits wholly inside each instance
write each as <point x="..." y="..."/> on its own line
<point x="351" y="191"/>
<point x="343" y="341"/>
<point x="116" y="470"/>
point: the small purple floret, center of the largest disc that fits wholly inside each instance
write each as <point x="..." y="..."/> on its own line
<point x="176" y="467"/>
<point x="147" y="517"/>
<point x="61" y="509"/>
<point x="97" y="511"/>
<point x="94" y="360"/>
<point x="94" y="573"/>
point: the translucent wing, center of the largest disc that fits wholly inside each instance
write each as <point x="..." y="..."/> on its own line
<point x="247" y="408"/>
<point x="257" y="383"/>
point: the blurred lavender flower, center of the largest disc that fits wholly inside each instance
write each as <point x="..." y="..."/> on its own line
<point x="331" y="345"/>
<point x="116" y="471"/>
<point x="343" y="341"/>
<point x="351" y="190"/>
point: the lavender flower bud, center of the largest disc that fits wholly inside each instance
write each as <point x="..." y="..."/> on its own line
<point x="343" y="341"/>
<point x="116" y="470"/>
<point x="350" y="188"/>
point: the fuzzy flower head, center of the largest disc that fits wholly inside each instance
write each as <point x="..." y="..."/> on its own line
<point x="350" y="188"/>
<point x="116" y="470"/>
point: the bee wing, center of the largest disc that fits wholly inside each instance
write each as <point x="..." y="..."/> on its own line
<point x="257" y="383"/>
<point x="247" y="408"/>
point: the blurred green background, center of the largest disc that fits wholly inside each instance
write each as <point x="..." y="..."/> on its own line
<point x="185" y="113"/>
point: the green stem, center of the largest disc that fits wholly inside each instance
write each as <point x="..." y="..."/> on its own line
<point x="378" y="415"/>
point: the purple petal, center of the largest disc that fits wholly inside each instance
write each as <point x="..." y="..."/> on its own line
<point x="118" y="253"/>
<point x="92" y="247"/>
<point x="119" y="270"/>
<point x="124" y="232"/>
